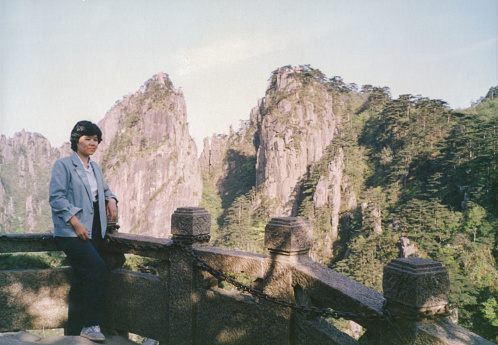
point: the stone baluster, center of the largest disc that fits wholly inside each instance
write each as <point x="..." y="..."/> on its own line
<point x="192" y="226"/>
<point x="412" y="287"/>
<point x="415" y="286"/>
<point x="289" y="240"/>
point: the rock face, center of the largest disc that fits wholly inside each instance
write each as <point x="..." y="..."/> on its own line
<point x="287" y="136"/>
<point x="212" y="158"/>
<point x="148" y="157"/>
<point x="296" y="124"/>
<point x="225" y="160"/>
<point x="26" y="162"/>
<point x="328" y="191"/>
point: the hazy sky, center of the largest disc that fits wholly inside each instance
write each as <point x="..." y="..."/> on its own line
<point x="62" y="61"/>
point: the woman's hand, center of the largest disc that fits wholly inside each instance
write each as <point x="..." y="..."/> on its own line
<point x="112" y="209"/>
<point x="79" y="228"/>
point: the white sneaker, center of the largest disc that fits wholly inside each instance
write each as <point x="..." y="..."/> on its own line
<point x="93" y="333"/>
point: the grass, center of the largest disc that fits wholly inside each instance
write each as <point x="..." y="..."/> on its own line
<point x="32" y="260"/>
<point x="141" y="264"/>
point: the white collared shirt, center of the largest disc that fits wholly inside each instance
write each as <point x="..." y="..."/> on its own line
<point x="92" y="180"/>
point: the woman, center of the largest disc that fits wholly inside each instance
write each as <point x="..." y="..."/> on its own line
<point x="80" y="200"/>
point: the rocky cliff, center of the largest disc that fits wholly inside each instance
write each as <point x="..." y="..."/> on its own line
<point x="296" y="124"/>
<point x="228" y="161"/>
<point x="25" y="165"/>
<point x="290" y="140"/>
<point x="148" y="157"/>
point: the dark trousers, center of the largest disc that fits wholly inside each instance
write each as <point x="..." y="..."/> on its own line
<point x="87" y="297"/>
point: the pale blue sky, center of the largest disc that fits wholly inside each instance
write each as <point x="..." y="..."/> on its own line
<point x="66" y="60"/>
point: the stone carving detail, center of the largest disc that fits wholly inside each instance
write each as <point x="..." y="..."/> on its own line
<point x="190" y="221"/>
<point x="289" y="236"/>
<point x="416" y="285"/>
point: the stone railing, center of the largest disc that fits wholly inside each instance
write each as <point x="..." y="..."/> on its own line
<point x="288" y="292"/>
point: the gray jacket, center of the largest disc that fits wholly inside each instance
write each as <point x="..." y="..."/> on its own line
<point x="70" y="195"/>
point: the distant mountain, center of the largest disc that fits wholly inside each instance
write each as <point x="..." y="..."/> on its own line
<point x="148" y="157"/>
<point x="25" y="165"/>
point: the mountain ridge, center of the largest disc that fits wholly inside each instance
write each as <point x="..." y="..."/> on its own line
<point x="363" y="168"/>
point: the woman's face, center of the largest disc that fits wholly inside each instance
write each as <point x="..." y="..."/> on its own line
<point x="87" y="145"/>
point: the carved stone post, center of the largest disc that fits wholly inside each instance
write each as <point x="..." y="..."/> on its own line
<point x="412" y="287"/>
<point x="289" y="240"/>
<point x="192" y="226"/>
<point x="415" y="285"/>
<point x="289" y="237"/>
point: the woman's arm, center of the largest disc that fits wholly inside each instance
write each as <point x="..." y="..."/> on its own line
<point x="112" y="209"/>
<point x="59" y="185"/>
<point x="79" y="228"/>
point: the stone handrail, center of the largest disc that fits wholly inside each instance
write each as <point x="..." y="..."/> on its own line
<point x="184" y="305"/>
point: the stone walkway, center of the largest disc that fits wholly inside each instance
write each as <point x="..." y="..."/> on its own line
<point x="24" y="338"/>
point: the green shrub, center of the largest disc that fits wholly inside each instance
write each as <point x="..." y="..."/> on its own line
<point x="32" y="260"/>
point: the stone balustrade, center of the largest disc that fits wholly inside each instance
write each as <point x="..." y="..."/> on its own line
<point x="184" y="304"/>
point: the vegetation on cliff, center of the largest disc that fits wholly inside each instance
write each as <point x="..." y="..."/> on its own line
<point x="432" y="172"/>
<point x="411" y="167"/>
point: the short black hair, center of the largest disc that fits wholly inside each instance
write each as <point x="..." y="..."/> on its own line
<point x="84" y="128"/>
